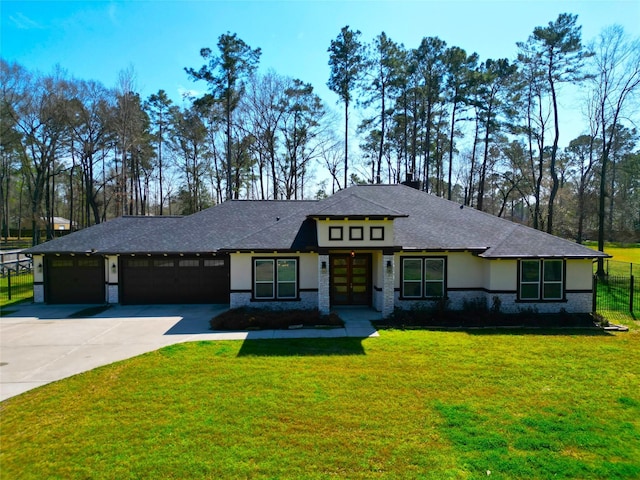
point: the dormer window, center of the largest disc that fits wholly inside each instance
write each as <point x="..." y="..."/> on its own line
<point x="376" y="233"/>
<point x="335" y="233"/>
<point x="356" y="233"/>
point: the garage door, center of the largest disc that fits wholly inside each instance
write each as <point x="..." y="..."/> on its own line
<point x="185" y="279"/>
<point x="74" y="279"/>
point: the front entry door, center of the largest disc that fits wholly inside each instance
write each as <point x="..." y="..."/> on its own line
<point x="351" y="279"/>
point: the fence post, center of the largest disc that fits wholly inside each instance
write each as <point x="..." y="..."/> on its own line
<point x="631" y="295"/>
<point x="9" y="282"/>
<point x="594" y="298"/>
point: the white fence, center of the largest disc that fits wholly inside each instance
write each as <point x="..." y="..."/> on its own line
<point x="14" y="261"/>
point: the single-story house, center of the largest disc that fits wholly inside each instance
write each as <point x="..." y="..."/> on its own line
<point x="61" y="224"/>
<point x="383" y="246"/>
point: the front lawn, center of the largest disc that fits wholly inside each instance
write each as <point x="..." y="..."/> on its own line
<point x="418" y="404"/>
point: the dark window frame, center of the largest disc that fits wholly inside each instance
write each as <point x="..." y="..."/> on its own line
<point x="275" y="282"/>
<point x="356" y="229"/>
<point x="423" y="281"/>
<point x="376" y="237"/>
<point x="335" y="233"/>
<point x="541" y="282"/>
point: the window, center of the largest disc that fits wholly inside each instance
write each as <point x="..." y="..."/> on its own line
<point x="216" y="262"/>
<point x="356" y="233"/>
<point x="163" y="263"/>
<point x="88" y="262"/>
<point x="541" y="280"/>
<point x="335" y="233"/>
<point x="423" y="277"/>
<point x="62" y="262"/>
<point x="412" y="277"/>
<point x="137" y="262"/>
<point x="275" y="278"/>
<point x="376" y="233"/>
<point x="189" y="263"/>
<point x="286" y="278"/>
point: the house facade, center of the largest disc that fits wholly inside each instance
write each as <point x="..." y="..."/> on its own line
<point x="382" y="246"/>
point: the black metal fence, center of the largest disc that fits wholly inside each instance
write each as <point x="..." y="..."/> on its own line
<point x="16" y="286"/>
<point x="616" y="293"/>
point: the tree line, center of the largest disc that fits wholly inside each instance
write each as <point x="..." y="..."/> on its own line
<point x="485" y="134"/>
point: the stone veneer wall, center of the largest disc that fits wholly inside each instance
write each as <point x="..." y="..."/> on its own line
<point x="38" y="293"/>
<point x="388" y="290"/>
<point x="580" y="302"/>
<point x="112" y="293"/>
<point x="308" y="300"/>
<point x="323" y="296"/>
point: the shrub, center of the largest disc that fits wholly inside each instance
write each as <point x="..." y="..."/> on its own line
<point x="265" y="319"/>
<point x="474" y="305"/>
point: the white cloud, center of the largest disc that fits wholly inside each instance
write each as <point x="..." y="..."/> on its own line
<point x="23" y="22"/>
<point x="189" y="92"/>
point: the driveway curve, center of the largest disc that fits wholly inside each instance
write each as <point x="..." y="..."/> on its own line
<point x="40" y="344"/>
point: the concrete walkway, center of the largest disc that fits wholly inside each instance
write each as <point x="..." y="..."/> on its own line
<point x="40" y="344"/>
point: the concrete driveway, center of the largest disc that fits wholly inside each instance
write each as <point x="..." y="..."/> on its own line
<point x="40" y="344"/>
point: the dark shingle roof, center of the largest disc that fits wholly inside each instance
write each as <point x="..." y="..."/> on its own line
<point x="353" y="205"/>
<point x="422" y="222"/>
<point x="249" y="224"/>
<point x="120" y="235"/>
<point x="439" y="224"/>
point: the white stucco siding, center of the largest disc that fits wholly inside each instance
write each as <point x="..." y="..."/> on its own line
<point x="377" y="269"/>
<point x="503" y="275"/>
<point x="368" y="228"/>
<point x="241" y="268"/>
<point x="465" y="270"/>
<point x="111" y="273"/>
<point x="308" y="269"/>
<point x="38" y="279"/>
<point x="111" y="268"/>
<point x="38" y="269"/>
<point x="579" y="274"/>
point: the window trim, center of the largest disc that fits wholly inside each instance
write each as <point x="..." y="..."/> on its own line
<point x="335" y="233"/>
<point x="256" y="282"/>
<point x="356" y="230"/>
<point x="423" y="281"/>
<point x="379" y="234"/>
<point x="541" y="282"/>
<point x="274" y="282"/>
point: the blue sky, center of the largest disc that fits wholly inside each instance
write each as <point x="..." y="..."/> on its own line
<point x="97" y="39"/>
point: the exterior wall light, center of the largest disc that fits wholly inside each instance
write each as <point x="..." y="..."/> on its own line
<point x="323" y="266"/>
<point x="40" y="267"/>
<point x="389" y="266"/>
<point x="113" y="268"/>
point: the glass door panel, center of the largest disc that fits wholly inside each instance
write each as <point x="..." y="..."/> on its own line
<point x="350" y="280"/>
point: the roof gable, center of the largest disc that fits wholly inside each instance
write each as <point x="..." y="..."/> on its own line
<point x="352" y="205"/>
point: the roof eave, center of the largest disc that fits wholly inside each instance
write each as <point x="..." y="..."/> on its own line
<point x="473" y="250"/>
<point x="570" y="257"/>
<point x="355" y="217"/>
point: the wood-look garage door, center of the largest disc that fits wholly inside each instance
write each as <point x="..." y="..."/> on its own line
<point x="185" y="279"/>
<point x="74" y="279"/>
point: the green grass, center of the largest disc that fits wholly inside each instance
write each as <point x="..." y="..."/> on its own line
<point x="619" y="266"/>
<point x="416" y="404"/>
<point x="621" y="258"/>
<point x="21" y="288"/>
